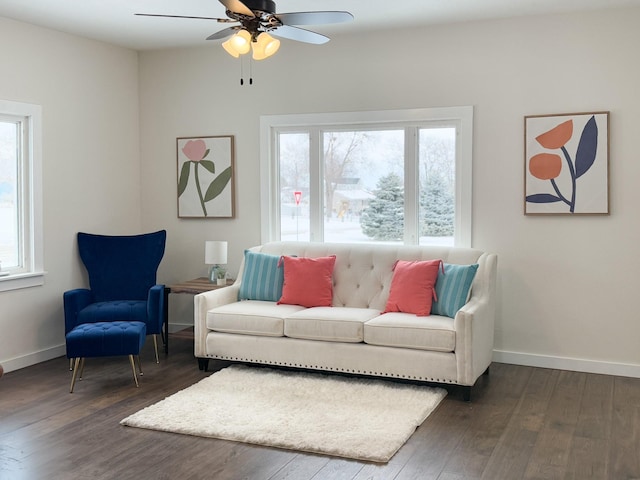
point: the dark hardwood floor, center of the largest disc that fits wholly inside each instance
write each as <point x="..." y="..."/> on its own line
<point x="522" y="423"/>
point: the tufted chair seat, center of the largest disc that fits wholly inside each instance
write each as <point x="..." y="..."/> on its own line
<point x="117" y="310"/>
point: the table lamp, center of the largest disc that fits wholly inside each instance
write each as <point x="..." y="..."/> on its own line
<point x="215" y="254"/>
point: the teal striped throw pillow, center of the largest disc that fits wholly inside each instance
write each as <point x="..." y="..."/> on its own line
<point x="262" y="279"/>
<point x="452" y="288"/>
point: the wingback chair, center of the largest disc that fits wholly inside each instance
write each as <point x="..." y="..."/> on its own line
<point x="122" y="280"/>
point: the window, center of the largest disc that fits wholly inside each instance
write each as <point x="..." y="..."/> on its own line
<point x="20" y="196"/>
<point x="399" y="176"/>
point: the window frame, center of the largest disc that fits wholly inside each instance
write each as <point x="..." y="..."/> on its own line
<point x="460" y="117"/>
<point x="30" y="201"/>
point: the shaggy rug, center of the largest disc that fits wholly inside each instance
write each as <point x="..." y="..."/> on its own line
<point x="364" y="419"/>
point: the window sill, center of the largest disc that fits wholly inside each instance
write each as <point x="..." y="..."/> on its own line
<point x="21" y="280"/>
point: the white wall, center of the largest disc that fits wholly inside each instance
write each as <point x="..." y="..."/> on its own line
<point x="566" y="285"/>
<point x="91" y="171"/>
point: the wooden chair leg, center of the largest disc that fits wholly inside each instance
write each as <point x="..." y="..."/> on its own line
<point x="133" y="368"/>
<point x="155" y="346"/>
<point x="75" y="372"/>
<point x="70" y="364"/>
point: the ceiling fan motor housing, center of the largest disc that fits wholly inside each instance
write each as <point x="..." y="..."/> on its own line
<point x="261" y="5"/>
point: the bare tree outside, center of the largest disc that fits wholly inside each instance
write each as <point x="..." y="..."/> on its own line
<point x="340" y="149"/>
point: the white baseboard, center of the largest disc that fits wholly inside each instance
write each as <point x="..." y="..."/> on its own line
<point x="176" y="327"/>
<point x="32" y="358"/>
<point x="565" y="363"/>
<point x="499" y="356"/>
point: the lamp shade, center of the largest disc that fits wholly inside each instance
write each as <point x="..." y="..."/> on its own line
<point x="265" y="46"/>
<point x="239" y="44"/>
<point x="215" y="252"/>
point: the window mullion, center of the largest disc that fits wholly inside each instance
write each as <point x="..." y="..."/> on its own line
<point x="411" y="186"/>
<point x="316" y="185"/>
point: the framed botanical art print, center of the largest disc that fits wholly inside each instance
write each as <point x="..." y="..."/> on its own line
<point x="567" y="164"/>
<point x="206" y="174"/>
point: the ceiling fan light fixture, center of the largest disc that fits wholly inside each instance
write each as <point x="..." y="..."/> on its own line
<point x="239" y="44"/>
<point x="264" y="46"/>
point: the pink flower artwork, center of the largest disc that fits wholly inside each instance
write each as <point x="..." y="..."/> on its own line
<point x="204" y="176"/>
<point x="195" y="150"/>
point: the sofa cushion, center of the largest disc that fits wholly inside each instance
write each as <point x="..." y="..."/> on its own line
<point x="308" y="281"/>
<point x="262" y="277"/>
<point x="331" y="324"/>
<point x="453" y="288"/>
<point x="409" y="331"/>
<point x="413" y="287"/>
<point x="250" y="317"/>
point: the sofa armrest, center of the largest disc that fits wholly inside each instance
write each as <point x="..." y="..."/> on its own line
<point x="474" y="324"/>
<point x="202" y="303"/>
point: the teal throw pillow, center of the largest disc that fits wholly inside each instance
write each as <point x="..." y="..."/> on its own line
<point x="262" y="278"/>
<point x="452" y="288"/>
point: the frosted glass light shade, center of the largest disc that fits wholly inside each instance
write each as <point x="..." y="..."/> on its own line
<point x="215" y="252"/>
<point x="239" y="44"/>
<point x="265" y="46"/>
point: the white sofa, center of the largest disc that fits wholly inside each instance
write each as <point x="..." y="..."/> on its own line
<point x="351" y="336"/>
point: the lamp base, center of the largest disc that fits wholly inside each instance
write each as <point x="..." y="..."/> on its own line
<point x="218" y="274"/>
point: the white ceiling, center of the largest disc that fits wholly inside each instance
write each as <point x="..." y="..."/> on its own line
<point x="113" y="21"/>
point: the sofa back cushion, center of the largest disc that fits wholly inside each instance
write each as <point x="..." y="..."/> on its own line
<point x="362" y="273"/>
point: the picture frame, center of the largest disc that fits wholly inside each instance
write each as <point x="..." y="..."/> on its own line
<point x="566" y="164"/>
<point x="206" y="176"/>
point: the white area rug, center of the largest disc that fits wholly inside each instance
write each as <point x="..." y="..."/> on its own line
<point x="329" y="414"/>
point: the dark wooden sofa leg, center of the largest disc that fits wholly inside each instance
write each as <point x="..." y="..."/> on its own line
<point x="466" y="393"/>
<point x="203" y="364"/>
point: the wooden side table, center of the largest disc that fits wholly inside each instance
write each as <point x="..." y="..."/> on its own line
<point x="192" y="287"/>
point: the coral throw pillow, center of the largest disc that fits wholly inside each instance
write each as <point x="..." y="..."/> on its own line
<point x="413" y="287"/>
<point x="308" y="281"/>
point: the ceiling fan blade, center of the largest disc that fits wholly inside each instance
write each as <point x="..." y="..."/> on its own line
<point x="220" y="20"/>
<point x="299" y="34"/>
<point x="314" y="18"/>
<point x="238" y="7"/>
<point x="227" y="32"/>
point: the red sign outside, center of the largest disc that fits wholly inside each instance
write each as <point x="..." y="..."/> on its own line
<point x="298" y="197"/>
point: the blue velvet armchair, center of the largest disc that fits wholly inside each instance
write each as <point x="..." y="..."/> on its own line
<point x="122" y="279"/>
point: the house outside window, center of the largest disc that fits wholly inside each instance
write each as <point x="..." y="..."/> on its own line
<point x="20" y="196"/>
<point x="399" y="177"/>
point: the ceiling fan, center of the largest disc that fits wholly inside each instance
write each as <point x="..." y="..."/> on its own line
<point x="258" y="20"/>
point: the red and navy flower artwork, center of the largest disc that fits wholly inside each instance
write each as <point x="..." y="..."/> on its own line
<point x="548" y="166"/>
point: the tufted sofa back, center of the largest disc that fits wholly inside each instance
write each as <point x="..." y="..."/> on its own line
<point x="363" y="272"/>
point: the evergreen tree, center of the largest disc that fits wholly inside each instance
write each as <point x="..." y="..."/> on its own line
<point x="437" y="208"/>
<point x="383" y="218"/>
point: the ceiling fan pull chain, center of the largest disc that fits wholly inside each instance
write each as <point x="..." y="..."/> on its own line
<point x="241" y="71"/>
<point x="250" y="71"/>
